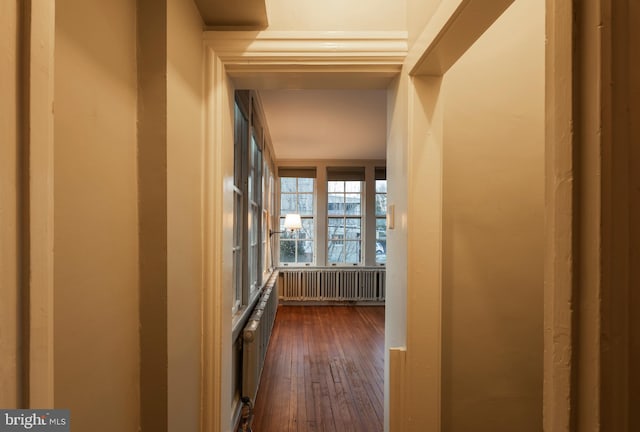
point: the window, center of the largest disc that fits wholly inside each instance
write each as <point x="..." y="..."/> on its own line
<point x="381" y="220"/>
<point x="344" y="233"/>
<point x="351" y="227"/>
<point x="267" y="212"/>
<point x="296" y="196"/>
<point x="255" y="214"/>
<point x="240" y="139"/>
<point x="252" y="202"/>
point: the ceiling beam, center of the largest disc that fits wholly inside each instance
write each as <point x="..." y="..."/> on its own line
<point x="223" y="13"/>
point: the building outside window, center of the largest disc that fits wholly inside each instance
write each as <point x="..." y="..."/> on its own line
<point x="297" y="196"/>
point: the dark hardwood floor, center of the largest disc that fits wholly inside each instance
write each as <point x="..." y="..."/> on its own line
<point x="324" y="371"/>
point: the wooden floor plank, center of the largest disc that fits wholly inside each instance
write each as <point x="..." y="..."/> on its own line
<point x="324" y="371"/>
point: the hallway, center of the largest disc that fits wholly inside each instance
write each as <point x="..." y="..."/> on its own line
<point x="324" y="371"/>
<point x="511" y="131"/>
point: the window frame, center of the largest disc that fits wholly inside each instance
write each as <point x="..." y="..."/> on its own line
<point x="344" y="216"/>
<point x="304" y="217"/>
<point x="381" y="216"/>
<point x="253" y="203"/>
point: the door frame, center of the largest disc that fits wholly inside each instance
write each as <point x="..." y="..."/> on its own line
<point x="260" y="60"/>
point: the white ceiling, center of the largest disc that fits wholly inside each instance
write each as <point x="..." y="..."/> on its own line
<point x="326" y="124"/>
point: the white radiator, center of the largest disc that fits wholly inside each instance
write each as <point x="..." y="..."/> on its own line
<point x="255" y="339"/>
<point x="329" y="284"/>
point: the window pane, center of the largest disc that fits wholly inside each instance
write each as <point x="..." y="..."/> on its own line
<point x="335" y="250"/>
<point x="336" y="228"/>
<point x="287" y="251"/>
<point x="287" y="204"/>
<point x="305" y="185"/>
<point x="352" y="205"/>
<point x="287" y="184"/>
<point x="381" y="186"/>
<point x="254" y="221"/>
<point x="352" y="252"/>
<point x="285" y="234"/>
<point x="381" y="204"/>
<point x="353" y="186"/>
<point x="335" y="205"/>
<point x="353" y="228"/>
<point x="307" y="229"/>
<point x="305" y="251"/>
<point x="381" y="240"/>
<point x="237" y="211"/>
<point x="305" y="204"/>
<point x="381" y="229"/>
<point x="336" y="186"/>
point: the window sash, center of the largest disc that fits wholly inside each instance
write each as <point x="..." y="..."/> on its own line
<point x="297" y="247"/>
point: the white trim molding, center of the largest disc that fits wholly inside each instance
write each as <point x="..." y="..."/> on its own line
<point x="309" y="59"/>
<point x="269" y="48"/>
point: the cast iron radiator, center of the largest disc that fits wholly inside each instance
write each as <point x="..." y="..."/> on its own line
<point x="330" y="284"/>
<point x="255" y="338"/>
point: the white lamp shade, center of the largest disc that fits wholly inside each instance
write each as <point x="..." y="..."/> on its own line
<point x="292" y="222"/>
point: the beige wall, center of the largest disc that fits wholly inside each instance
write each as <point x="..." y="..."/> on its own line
<point x="184" y="188"/>
<point x="418" y="14"/>
<point x="96" y="247"/>
<point x="493" y="228"/>
<point x="9" y="148"/>
<point x="336" y="15"/>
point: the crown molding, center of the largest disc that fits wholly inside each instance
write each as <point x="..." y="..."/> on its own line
<point x="251" y="49"/>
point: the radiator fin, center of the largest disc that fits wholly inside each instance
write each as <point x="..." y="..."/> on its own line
<point x="322" y="284"/>
<point x="255" y="339"/>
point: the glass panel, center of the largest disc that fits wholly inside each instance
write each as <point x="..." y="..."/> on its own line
<point x="381" y="240"/>
<point x="352" y="206"/>
<point x="287" y="204"/>
<point x="287" y="184"/>
<point x="381" y="204"/>
<point x="353" y="186"/>
<point x="353" y="228"/>
<point x="305" y="251"/>
<point x="256" y="220"/>
<point x="381" y="228"/>
<point x="237" y="211"/>
<point x="381" y="186"/>
<point x="334" y="251"/>
<point x="305" y="185"/>
<point x="240" y="127"/>
<point x="307" y="229"/>
<point x="287" y="251"/>
<point x="284" y="234"/>
<point x="336" y="228"/>
<point x="352" y="252"/>
<point x="336" y="186"/>
<point x="305" y="204"/>
<point x="335" y="205"/>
